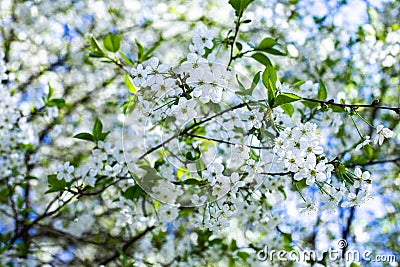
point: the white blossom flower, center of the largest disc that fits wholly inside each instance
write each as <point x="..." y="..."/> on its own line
<point x="362" y="179"/>
<point x="235" y="182"/>
<point x="252" y="119"/>
<point x="381" y="134"/>
<point x="198" y="200"/>
<point x="252" y="167"/>
<point x="220" y="189"/>
<point x="185" y="110"/>
<point x="213" y="173"/>
<point x="331" y="199"/>
<point x="363" y="143"/>
<point x="65" y="172"/>
<point x="168" y="213"/>
<point x="309" y="206"/>
<point x="203" y="37"/>
<point x="113" y="171"/>
<point x="311" y="171"/>
<point x="355" y="200"/>
<point x="293" y="162"/>
<point x="311" y="146"/>
<point x="140" y="75"/>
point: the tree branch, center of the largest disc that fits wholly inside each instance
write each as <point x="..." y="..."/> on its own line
<point x="352" y="106"/>
<point x="127" y="245"/>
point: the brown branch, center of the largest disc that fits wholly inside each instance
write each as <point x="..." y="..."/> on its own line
<point x="374" y="162"/>
<point x="226" y="142"/>
<point x="353" y="106"/>
<point x="127" y="245"/>
<point x="237" y="26"/>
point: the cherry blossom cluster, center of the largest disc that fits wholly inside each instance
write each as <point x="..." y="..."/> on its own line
<point x="298" y="149"/>
<point x="105" y="160"/>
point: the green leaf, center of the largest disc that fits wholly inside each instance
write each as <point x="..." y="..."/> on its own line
<point x="132" y="192"/>
<point x="197" y="154"/>
<point x="97" y="130"/>
<point x="241" y="86"/>
<point x="55" y="184"/>
<point x="104" y="135"/>
<point x="240" y="5"/>
<point x="200" y="167"/>
<point x="130" y="105"/>
<point x="298" y="84"/>
<point x="248" y="91"/>
<point x="243" y="255"/>
<point x="288" y="109"/>
<point x="192" y="181"/>
<point x="140" y="53"/>
<point x="239" y="46"/>
<point x="84" y="136"/>
<point x="129" y="84"/>
<point x="266" y="43"/>
<point x="336" y="108"/>
<point x="269" y="80"/>
<point x="263" y="59"/>
<point x="95" y="45"/>
<point x="322" y="93"/>
<point x="235" y="4"/>
<point x="287" y="239"/>
<point x="56" y="102"/>
<point x="96" y="54"/>
<point x="253" y="155"/>
<point x="231" y="262"/>
<point x="273" y="51"/>
<point x="5" y="193"/>
<point x="310" y="104"/>
<point x="285" y="98"/>
<point x="233" y="245"/>
<point x="112" y="42"/>
<point x="282" y="190"/>
<point x="51" y="91"/>
<point x="127" y="59"/>
<point x="150" y="51"/>
<point x="255" y="81"/>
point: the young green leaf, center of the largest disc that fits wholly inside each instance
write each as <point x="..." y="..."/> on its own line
<point x="112" y="42"/>
<point x="285" y="98"/>
<point x="127" y="59"/>
<point x="240" y="5"/>
<point x="51" y="91"/>
<point x="56" y="102"/>
<point x="55" y="184"/>
<point x="255" y="81"/>
<point x="288" y="109"/>
<point x="267" y="43"/>
<point x="322" y="93"/>
<point x="298" y="84"/>
<point x="95" y="45"/>
<point x="239" y="46"/>
<point x="132" y="192"/>
<point x="140" y="52"/>
<point x="192" y="181"/>
<point x="263" y="59"/>
<point x="84" y="136"/>
<point x="97" y="130"/>
<point x="129" y="84"/>
<point x="273" y="51"/>
<point x="200" y="167"/>
<point x="269" y="80"/>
